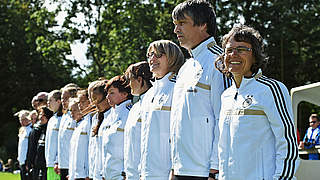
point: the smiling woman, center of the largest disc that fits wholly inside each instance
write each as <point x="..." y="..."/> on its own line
<point x="256" y="114"/>
<point x="165" y="59"/>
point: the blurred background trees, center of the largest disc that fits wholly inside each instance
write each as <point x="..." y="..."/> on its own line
<point x="35" y="49"/>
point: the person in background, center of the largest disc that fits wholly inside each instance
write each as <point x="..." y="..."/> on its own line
<point x="32" y="147"/>
<point x="66" y="128"/>
<point x="139" y="77"/>
<point x="78" y="162"/>
<point x="40" y="161"/>
<point x="196" y="98"/>
<point x="34" y="102"/>
<point x="119" y="97"/>
<point x="9" y="166"/>
<point x="97" y="97"/>
<point x="312" y="137"/>
<point x="165" y="59"/>
<point x="42" y="98"/>
<point x="23" y="135"/>
<point x="257" y="134"/>
<point x="33" y="116"/>
<point x="1" y="165"/>
<point x="51" y="145"/>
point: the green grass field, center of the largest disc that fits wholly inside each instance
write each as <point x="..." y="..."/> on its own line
<point x="9" y="176"/>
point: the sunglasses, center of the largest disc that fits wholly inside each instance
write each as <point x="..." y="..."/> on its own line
<point x="312" y="122"/>
<point x="239" y="50"/>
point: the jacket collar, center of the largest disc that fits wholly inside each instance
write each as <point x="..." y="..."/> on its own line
<point x="196" y="51"/>
<point x="247" y="80"/>
<point x="161" y="82"/>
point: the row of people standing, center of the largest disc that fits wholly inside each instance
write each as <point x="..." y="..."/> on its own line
<point x="177" y="119"/>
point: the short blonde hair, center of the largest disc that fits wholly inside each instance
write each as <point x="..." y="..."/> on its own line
<point x="172" y="51"/>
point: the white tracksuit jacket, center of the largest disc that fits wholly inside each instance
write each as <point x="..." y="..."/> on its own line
<point x="92" y="149"/>
<point x="155" y="129"/>
<point x="112" y="141"/>
<point x="257" y="134"/>
<point x="195" y="112"/>
<point x="23" y="144"/>
<point x="78" y="162"/>
<point x="66" y="128"/>
<point x="51" y="145"/>
<point x="132" y="141"/>
<point x="98" y="171"/>
<point x="95" y="159"/>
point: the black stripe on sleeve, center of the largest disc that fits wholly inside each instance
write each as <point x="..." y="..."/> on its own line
<point x="215" y="50"/>
<point x="292" y="154"/>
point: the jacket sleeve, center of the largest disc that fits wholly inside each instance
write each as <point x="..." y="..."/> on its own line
<point x="278" y="110"/>
<point x="217" y="87"/>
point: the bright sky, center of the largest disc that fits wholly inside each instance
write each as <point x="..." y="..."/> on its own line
<point x="78" y="49"/>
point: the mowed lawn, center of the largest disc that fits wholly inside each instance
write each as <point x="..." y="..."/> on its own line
<point x="9" y="176"/>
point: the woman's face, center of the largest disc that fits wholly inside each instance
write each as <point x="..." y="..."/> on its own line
<point x="43" y="118"/>
<point x="158" y="63"/>
<point x="239" y="58"/>
<point x="34" y="118"/>
<point x="75" y="112"/>
<point x="84" y="102"/>
<point x="135" y="85"/>
<point x="65" y="96"/>
<point x="115" y="97"/>
<point x="53" y="104"/>
<point x="24" y="121"/>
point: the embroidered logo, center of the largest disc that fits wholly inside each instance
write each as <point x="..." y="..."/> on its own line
<point x="247" y="102"/>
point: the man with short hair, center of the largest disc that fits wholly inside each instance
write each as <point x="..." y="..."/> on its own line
<point x="312" y="137"/>
<point x="196" y="99"/>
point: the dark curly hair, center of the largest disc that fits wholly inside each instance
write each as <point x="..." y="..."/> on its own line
<point x="243" y="33"/>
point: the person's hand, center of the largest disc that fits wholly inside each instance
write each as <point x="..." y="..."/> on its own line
<point x="56" y="169"/>
<point x="301" y="145"/>
<point x="213" y="171"/>
<point x="171" y="176"/>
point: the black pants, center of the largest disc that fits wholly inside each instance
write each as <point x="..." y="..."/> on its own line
<point x="63" y="174"/>
<point x="189" y="178"/>
<point x="39" y="174"/>
<point x="24" y="172"/>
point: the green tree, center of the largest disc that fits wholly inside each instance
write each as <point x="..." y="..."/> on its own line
<point x="291" y="30"/>
<point x="32" y="59"/>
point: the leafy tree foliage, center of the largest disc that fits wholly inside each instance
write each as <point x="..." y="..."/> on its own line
<point x="32" y="59"/>
<point x="291" y="30"/>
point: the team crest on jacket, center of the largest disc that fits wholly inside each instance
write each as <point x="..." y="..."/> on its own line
<point x="247" y="102"/>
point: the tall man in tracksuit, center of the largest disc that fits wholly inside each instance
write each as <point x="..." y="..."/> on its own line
<point x="196" y="98"/>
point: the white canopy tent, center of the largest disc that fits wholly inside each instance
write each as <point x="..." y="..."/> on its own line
<point x="308" y="169"/>
<point x="309" y="93"/>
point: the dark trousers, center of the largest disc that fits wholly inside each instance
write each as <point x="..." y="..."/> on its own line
<point x="63" y="174"/>
<point x="39" y="174"/>
<point x="24" y="172"/>
<point x="189" y="178"/>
